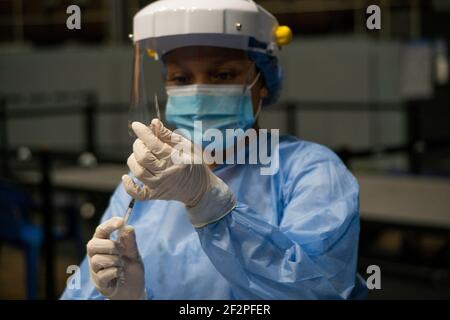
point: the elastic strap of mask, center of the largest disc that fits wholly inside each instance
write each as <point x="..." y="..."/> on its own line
<point x="259" y="110"/>
<point x="254" y="81"/>
<point x="260" y="100"/>
<point x="246" y="89"/>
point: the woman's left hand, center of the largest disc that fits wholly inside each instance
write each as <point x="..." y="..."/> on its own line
<point x="171" y="168"/>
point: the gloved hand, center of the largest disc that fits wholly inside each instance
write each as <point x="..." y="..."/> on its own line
<point x="116" y="266"/>
<point x="171" y="169"/>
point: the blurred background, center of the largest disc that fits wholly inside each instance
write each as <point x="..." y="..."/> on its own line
<point x="379" y="98"/>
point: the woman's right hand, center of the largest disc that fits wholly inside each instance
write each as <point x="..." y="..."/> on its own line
<point x="116" y="267"/>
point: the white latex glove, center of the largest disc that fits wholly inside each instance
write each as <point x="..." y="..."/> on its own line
<point x="167" y="165"/>
<point x="116" y="266"/>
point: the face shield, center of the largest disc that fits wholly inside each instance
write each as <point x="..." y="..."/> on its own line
<point x="202" y="91"/>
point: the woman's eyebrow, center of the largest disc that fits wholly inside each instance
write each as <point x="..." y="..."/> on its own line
<point x="208" y="63"/>
<point x="176" y="67"/>
<point x="224" y="61"/>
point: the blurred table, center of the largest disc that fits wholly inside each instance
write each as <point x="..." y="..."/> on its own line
<point x="405" y="200"/>
<point x="410" y="200"/>
<point x="103" y="178"/>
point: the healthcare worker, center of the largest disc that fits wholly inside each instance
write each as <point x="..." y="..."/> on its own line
<point x="221" y="231"/>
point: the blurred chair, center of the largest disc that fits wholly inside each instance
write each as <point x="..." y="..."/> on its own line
<point x="16" y="229"/>
<point x="70" y="228"/>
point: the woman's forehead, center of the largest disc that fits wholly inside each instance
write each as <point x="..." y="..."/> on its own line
<point x="205" y="55"/>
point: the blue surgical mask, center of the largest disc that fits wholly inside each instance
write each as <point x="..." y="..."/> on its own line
<point x="214" y="106"/>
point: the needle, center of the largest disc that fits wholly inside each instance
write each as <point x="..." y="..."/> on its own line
<point x="131" y="204"/>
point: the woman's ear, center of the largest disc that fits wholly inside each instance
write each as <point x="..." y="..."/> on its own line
<point x="263" y="92"/>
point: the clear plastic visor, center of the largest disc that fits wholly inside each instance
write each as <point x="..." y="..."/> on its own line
<point x="210" y="72"/>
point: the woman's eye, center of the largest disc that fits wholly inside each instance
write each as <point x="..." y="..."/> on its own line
<point x="178" y="80"/>
<point x="223" y="76"/>
<point x="181" y="80"/>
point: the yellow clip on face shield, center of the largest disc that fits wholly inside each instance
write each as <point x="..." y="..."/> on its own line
<point x="283" y="35"/>
<point x="152" y="54"/>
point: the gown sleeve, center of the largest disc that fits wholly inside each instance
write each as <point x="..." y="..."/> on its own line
<point x="311" y="254"/>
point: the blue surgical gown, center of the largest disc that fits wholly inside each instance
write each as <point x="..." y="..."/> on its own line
<point x="293" y="235"/>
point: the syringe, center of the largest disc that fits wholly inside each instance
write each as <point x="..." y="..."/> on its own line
<point x="128" y="212"/>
